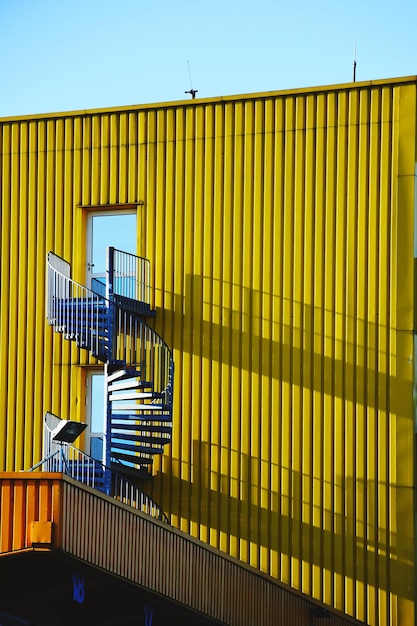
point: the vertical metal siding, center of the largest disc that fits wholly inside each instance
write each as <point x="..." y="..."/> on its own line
<point x="165" y="561"/>
<point x="23" y="501"/>
<point x="279" y="228"/>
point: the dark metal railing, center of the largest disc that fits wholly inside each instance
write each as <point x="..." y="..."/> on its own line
<point x="76" y="311"/>
<point x="140" y="347"/>
<point x="67" y="459"/>
<point x="129" y="277"/>
<point x="111" y="332"/>
<point x="121" y="339"/>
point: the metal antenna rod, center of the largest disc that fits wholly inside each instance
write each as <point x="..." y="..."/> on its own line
<point x="191" y="91"/>
<point x="354" y="63"/>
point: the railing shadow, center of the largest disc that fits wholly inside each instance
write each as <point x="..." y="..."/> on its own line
<point x="294" y="525"/>
<point x="353" y="360"/>
<point x="298" y="343"/>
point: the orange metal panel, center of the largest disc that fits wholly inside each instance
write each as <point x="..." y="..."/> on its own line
<point x="25" y="501"/>
<point x="41" y="533"/>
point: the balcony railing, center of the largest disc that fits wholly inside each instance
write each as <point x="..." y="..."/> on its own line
<point x="69" y="460"/>
<point x="129" y="281"/>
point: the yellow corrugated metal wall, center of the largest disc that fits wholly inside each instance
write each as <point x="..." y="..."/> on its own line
<point x="280" y="232"/>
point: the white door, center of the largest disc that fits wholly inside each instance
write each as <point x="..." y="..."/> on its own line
<point x="109" y="228"/>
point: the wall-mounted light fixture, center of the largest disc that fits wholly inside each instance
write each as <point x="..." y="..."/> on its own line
<point x="63" y="433"/>
<point x="67" y="431"/>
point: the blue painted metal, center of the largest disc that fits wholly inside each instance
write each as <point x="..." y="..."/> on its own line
<point x="107" y="408"/>
<point x="67" y="459"/>
<point x="138" y="363"/>
<point x="130" y="277"/>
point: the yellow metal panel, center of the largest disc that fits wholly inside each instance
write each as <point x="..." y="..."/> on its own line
<point x="280" y="232"/>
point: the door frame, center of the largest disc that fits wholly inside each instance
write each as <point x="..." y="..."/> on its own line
<point x="89" y="273"/>
<point x="90" y="433"/>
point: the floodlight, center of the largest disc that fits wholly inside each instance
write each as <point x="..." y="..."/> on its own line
<point x="67" y="431"/>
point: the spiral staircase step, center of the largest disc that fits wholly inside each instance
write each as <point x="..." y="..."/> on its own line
<point x="139" y="371"/>
<point x="140" y="426"/>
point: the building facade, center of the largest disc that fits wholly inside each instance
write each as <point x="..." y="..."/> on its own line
<point x="280" y="230"/>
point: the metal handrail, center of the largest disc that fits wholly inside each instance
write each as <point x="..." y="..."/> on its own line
<point x="118" y="337"/>
<point x="78" y="312"/>
<point x="130" y="276"/>
<point x="140" y="347"/>
<point x="67" y="459"/>
<point x="75" y="310"/>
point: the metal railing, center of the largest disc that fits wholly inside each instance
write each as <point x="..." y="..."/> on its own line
<point x="76" y="311"/>
<point x="109" y="331"/>
<point x="130" y="279"/>
<point x="140" y="347"/>
<point x="67" y="459"/>
<point x="114" y="335"/>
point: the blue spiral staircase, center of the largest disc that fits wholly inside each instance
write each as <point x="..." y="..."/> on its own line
<point x="108" y="320"/>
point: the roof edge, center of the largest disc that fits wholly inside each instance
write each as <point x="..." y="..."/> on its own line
<point x="214" y="99"/>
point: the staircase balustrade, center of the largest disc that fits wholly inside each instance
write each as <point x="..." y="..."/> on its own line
<point x="76" y="311"/>
<point x="67" y="459"/>
<point x="136" y="358"/>
<point x="130" y="281"/>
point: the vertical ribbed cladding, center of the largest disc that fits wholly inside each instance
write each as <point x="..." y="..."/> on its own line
<point x="4" y="276"/>
<point x="23" y="501"/>
<point x="225" y="227"/>
<point x="359" y="365"/>
<point x="307" y="346"/>
<point x="254" y="284"/>
<point x="285" y="419"/>
<point x="267" y="519"/>
<point x="215" y="505"/>
<point x="198" y="395"/>
<point x="18" y="305"/>
<point x="277" y="351"/>
<point x="203" y="448"/>
<point x="350" y="348"/>
<point x="189" y="240"/>
<point x="61" y="394"/>
<point x="22" y="311"/>
<point x="328" y="328"/>
<point x="213" y="248"/>
<point x="164" y="561"/>
<point x="276" y="227"/>
<point x="11" y="240"/>
<point x="339" y="462"/>
<point x="386" y="454"/>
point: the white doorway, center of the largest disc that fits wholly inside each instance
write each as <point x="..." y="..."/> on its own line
<point x="95" y="414"/>
<point x="118" y="229"/>
<point x="108" y="228"/>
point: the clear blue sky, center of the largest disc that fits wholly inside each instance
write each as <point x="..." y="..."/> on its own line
<point x="59" y="55"/>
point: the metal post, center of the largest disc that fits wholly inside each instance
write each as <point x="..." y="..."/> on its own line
<point x="107" y="435"/>
<point x="107" y="403"/>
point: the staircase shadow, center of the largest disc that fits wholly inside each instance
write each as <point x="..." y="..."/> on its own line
<point x="289" y="529"/>
<point x="288" y="341"/>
